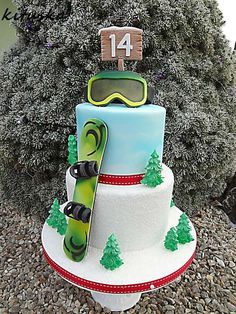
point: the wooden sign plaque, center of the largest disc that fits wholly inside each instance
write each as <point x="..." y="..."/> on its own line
<point x="121" y="43"/>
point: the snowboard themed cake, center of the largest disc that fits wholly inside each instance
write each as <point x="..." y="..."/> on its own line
<point x="119" y="234"/>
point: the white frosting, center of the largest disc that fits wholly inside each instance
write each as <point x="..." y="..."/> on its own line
<point x="137" y="215"/>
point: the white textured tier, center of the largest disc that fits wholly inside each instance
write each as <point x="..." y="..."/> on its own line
<point x="144" y="270"/>
<point x="137" y="215"/>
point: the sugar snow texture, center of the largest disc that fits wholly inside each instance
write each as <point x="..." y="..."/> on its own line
<point x="40" y="88"/>
<point x="137" y="215"/>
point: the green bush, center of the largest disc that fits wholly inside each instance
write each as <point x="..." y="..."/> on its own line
<point x="42" y="78"/>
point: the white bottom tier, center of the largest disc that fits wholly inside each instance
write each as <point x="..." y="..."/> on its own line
<point x="142" y="271"/>
<point x="138" y="215"/>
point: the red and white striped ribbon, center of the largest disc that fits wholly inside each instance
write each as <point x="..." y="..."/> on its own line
<point x="120" y="179"/>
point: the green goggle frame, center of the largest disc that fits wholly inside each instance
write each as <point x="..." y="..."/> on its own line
<point x="125" y="86"/>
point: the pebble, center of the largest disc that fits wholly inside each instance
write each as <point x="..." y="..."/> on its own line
<point x="231" y="307"/>
<point x="220" y="262"/>
<point x="98" y="308"/>
<point x="90" y="301"/>
<point x="142" y="311"/>
<point x="169" y="307"/>
<point x="211" y="263"/>
<point x="199" y="307"/>
<point x="231" y="264"/>
<point x="170" y="300"/>
<point x="77" y="303"/>
<point x="15" y="309"/>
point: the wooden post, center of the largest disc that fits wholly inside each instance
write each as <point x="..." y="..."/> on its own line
<point x="121" y="66"/>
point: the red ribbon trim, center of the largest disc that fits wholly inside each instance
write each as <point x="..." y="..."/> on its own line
<point x="119" y="289"/>
<point x="120" y="179"/>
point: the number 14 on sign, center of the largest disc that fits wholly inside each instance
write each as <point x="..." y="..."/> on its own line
<point x="125" y="43"/>
<point x="121" y="43"/>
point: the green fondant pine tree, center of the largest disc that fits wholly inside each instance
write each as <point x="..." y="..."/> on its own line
<point x="171" y="240"/>
<point x="183" y="230"/>
<point x="153" y="176"/>
<point x="56" y="218"/>
<point x="172" y="204"/>
<point x="72" y="150"/>
<point x="111" y="259"/>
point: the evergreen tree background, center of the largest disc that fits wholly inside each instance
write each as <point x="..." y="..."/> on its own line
<point x="42" y="78"/>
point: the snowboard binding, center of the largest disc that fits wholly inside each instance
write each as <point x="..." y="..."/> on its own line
<point x="84" y="169"/>
<point x="77" y="211"/>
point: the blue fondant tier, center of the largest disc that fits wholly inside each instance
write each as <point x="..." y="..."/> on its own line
<point x="134" y="133"/>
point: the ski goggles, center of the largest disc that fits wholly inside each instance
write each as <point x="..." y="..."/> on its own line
<point x="126" y="87"/>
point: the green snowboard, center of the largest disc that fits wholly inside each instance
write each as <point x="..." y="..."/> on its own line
<point x="93" y="141"/>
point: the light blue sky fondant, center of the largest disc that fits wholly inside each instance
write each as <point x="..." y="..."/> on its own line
<point x="134" y="133"/>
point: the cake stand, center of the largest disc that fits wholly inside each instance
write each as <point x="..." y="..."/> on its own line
<point x="142" y="271"/>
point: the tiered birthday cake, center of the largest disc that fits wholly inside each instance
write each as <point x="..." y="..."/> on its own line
<point x="119" y="232"/>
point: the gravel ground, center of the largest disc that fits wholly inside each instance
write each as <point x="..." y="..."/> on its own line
<point x="28" y="285"/>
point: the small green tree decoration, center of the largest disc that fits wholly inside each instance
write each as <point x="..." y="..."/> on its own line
<point x="57" y="219"/>
<point x="111" y="259"/>
<point x="171" y="240"/>
<point x="183" y="230"/>
<point x="153" y="176"/>
<point x="72" y="150"/>
<point x="172" y="204"/>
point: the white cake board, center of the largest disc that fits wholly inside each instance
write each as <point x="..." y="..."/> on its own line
<point x="142" y="271"/>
